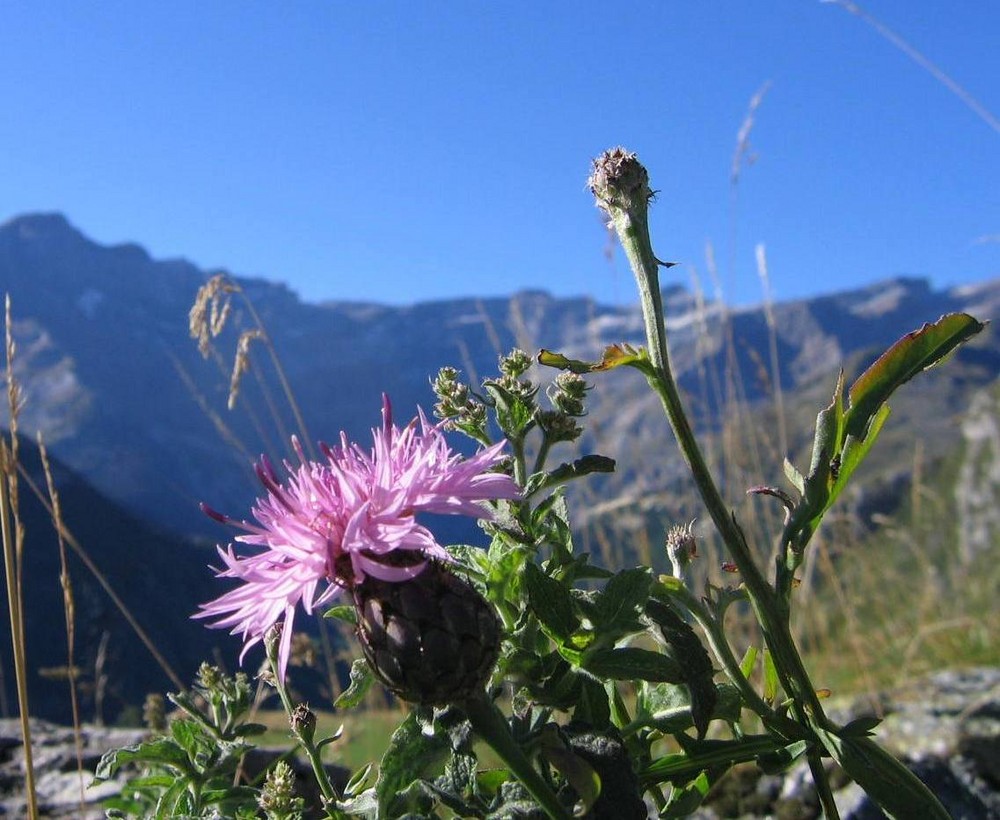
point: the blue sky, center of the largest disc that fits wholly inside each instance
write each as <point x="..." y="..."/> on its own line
<point x="399" y="152"/>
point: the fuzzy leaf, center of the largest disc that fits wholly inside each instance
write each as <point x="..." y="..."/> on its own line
<point x="621" y="602"/>
<point x="162" y="750"/>
<point x="551" y="603"/>
<point x="633" y="663"/>
<point x="410" y="754"/>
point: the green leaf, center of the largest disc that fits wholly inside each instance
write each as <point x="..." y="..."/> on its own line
<point x="593" y="707"/>
<point x="160" y="750"/>
<point x="684" y="800"/>
<point x="622" y="601"/>
<point x="360" y="683"/>
<point x="411" y="753"/>
<point x="614" y="356"/>
<point x="887" y="781"/>
<point x="794" y="477"/>
<point x="915" y="352"/>
<point x="633" y="663"/>
<point x="343" y="612"/>
<point x="577" y="771"/>
<point x="667" y="707"/>
<point x="551" y="603"/>
<point x="187" y="733"/>
<point x="826" y="445"/>
<point x="695" y="663"/>
<point x="779" y="760"/>
<point x="749" y="661"/>
<point x="249" y="730"/>
<point x="567" y="472"/>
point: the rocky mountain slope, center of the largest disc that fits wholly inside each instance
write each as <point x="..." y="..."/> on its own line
<point x="113" y="380"/>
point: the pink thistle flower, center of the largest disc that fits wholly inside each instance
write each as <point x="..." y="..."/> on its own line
<point x="331" y="524"/>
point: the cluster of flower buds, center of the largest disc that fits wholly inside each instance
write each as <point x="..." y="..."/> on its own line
<point x="456" y="405"/>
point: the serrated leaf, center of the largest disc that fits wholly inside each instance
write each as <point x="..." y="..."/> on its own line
<point x="551" y="603"/>
<point x="633" y="663"/>
<point x="622" y="601"/>
<point x="887" y="781"/>
<point x="163" y="750"/>
<point x="360" y="682"/>
<point x="186" y="733"/>
<point x="915" y="352"/>
<point x="410" y="754"/>
<point x="695" y="663"/>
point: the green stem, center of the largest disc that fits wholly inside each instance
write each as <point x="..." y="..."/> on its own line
<point x="543" y="453"/>
<point x="628" y="213"/>
<point x="714" y="632"/>
<point x="330" y="796"/>
<point x="822" y="784"/>
<point x="490" y="724"/>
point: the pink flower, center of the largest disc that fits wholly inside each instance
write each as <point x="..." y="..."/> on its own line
<point x="333" y="523"/>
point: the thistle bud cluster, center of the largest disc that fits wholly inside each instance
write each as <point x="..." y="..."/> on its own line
<point x="512" y="366"/>
<point x="277" y="798"/>
<point x="456" y="405"/>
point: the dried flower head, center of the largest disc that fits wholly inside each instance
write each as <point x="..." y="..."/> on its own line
<point x="332" y="524"/>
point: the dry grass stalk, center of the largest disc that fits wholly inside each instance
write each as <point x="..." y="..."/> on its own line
<point x="210" y="310"/>
<point x="99" y="576"/>
<point x="772" y="337"/>
<point x="69" y="609"/>
<point x="744" y="153"/>
<point x="241" y="363"/>
<point x="13" y="542"/>
<point x="923" y="61"/>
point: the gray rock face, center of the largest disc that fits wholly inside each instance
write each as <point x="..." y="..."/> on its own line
<point x="61" y="789"/>
<point x="979" y="476"/>
<point x="946" y="727"/>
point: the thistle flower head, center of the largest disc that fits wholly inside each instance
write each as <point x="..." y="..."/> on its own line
<point x="331" y="524"/>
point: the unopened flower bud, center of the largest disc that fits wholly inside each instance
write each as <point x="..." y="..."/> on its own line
<point x="304" y="722"/>
<point x="558" y="426"/>
<point x="619" y="181"/>
<point x="682" y="546"/>
<point x="515" y="363"/>
<point x="432" y="640"/>
<point x="567" y="393"/>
